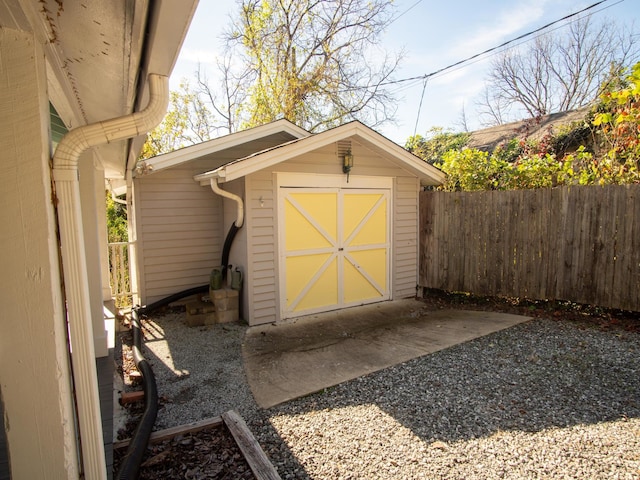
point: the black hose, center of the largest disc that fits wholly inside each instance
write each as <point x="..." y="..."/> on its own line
<point x="175" y="297"/>
<point x="130" y="465"/>
<point x="226" y="249"/>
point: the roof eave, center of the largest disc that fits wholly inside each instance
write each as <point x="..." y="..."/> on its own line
<point x="428" y="174"/>
<point x="192" y="152"/>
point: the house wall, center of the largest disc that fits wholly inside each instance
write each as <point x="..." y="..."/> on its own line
<point x="262" y="287"/>
<point x="35" y="379"/>
<point x="238" y="251"/>
<point x="179" y="232"/>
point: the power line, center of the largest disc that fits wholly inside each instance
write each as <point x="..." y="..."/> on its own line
<point x="405" y="12"/>
<point x="492" y="49"/>
<point x="424" y="88"/>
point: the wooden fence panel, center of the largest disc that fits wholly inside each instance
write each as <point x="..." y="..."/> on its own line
<point x="580" y="244"/>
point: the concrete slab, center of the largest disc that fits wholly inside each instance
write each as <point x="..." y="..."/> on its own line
<point x="295" y="358"/>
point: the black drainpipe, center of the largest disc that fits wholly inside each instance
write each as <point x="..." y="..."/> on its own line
<point x="130" y="465"/>
<point x="226" y="249"/>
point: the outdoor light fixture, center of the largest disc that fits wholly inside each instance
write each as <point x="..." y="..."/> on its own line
<point x="347" y="163"/>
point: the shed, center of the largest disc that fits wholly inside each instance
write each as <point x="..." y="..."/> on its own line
<point x="313" y="236"/>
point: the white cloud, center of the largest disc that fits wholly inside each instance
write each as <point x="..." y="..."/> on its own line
<point x="508" y="22"/>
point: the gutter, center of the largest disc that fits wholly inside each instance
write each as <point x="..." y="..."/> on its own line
<point x="74" y="262"/>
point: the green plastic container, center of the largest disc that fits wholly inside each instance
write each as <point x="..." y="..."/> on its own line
<point x="215" y="280"/>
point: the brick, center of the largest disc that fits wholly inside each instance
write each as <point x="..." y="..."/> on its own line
<point x="227" y="316"/>
<point x="195" y="320"/>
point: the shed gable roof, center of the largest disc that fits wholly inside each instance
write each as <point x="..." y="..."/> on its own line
<point x="428" y="174"/>
<point x="284" y="128"/>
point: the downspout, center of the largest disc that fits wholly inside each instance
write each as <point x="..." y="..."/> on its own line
<point x="234" y="228"/>
<point x="74" y="263"/>
<point x="223" y="193"/>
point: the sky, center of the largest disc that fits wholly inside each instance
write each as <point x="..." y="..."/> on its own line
<point x="433" y="34"/>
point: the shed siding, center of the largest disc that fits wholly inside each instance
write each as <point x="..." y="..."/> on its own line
<point x="262" y="298"/>
<point x="262" y="290"/>
<point x="405" y="237"/>
<point x="182" y="227"/>
<point x="179" y="232"/>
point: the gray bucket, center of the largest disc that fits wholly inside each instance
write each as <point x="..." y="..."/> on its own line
<point x="236" y="279"/>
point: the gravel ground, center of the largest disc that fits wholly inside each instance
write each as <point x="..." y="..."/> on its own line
<point x="550" y="398"/>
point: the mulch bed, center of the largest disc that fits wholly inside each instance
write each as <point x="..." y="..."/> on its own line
<point x="210" y="453"/>
<point x="207" y="454"/>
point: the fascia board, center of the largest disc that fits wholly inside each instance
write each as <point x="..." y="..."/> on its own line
<point x="401" y="157"/>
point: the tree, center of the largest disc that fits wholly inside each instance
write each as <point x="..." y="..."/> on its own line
<point x="188" y="121"/>
<point x="310" y="61"/>
<point x="227" y="101"/>
<point x="618" y="120"/>
<point x="116" y="220"/>
<point x="559" y="71"/>
<point x="437" y="142"/>
<point x="608" y="154"/>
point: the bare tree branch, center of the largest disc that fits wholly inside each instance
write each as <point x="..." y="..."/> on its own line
<point x="559" y="71"/>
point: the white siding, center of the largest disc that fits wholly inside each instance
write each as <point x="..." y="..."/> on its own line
<point x="405" y="237"/>
<point x="180" y="232"/>
<point x="34" y="359"/>
<point x="262" y="292"/>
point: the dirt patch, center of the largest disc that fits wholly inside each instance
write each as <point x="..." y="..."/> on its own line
<point x="586" y="315"/>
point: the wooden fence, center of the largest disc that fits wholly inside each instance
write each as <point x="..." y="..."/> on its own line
<point x="580" y="244"/>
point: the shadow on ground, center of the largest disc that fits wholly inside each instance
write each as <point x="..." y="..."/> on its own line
<point x="533" y="376"/>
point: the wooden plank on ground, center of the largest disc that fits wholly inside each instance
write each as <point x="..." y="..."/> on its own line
<point x="161" y="435"/>
<point x="131" y="397"/>
<point x="260" y="465"/>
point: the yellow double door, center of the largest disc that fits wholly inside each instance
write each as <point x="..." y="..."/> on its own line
<point x="334" y="248"/>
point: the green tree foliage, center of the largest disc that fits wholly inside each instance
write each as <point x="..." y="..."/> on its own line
<point x="311" y="61"/>
<point x="618" y="120"/>
<point x="437" y="142"/>
<point x="610" y="156"/>
<point x="116" y="220"/>
<point x="188" y="121"/>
